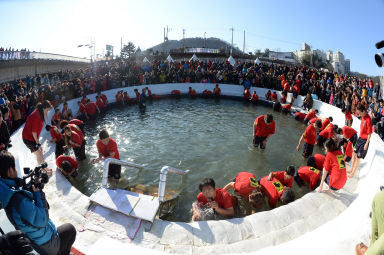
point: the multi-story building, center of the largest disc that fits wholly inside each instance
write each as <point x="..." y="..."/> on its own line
<point x="284" y="56"/>
<point x="347" y="66"/>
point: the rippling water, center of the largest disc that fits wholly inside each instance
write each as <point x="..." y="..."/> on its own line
<point x="207" y="137"/>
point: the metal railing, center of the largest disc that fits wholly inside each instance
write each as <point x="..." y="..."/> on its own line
<point x="163" y="179"/>
<point x="109" y="161"/>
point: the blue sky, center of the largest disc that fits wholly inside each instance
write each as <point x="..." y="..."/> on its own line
<point x="58" y="26"/>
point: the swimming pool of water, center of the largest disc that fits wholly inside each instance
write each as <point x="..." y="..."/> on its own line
<point x="209" y="138"/>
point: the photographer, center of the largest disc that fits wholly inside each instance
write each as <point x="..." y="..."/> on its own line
<point x="28" y="212"/>
<point x="15" y="243"/>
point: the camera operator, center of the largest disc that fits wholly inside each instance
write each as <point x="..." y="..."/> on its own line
<point x="28" y="212"/>
<point x="15" y="243"/>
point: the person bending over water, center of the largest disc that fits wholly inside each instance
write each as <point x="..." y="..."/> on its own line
<point x="218" y="199"/>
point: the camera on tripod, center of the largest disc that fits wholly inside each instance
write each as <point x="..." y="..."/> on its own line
<point x="37" y="177"/>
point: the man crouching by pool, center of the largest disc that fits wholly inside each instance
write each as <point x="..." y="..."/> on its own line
<point x="210" y="197"/>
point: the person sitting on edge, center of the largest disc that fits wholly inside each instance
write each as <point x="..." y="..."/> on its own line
<point x="376" y="246"/>
<point x="309" y="137"/>
<point x="254" y="97"/>
<point x="334" y="172"/>
<point x="263" y="128"/>
<point x="308" y="174"/>
<point x="91" y="109"/>
<point x="274" y="97"/>
<point x="57" y="138"/>
<point x="249" y="190"/>
<point x="311" y="115"/>
<point x="217" y="91"/>
<point x="55" y="120"/>
<point x="268" y="95"/>
<point x="316" y="161"/>
<point x="218" y="199"/>
<point x="107" y="148"/>
<point x="274" y="190"/>
<point x="191" y="92"/>
<point x="66" y="113"/>
<point x="67" y="165"/>
<point x="361" y="145"/>
<point x="285" y="177"/>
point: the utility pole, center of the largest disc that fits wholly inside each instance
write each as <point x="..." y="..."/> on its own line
<point x="232" y="39"/>
<point x="205" y="40"/>
<point x="183" y="38"/>
<point x="244" y="43"/>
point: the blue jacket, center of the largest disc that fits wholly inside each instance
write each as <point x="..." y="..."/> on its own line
<point x="30" y="216"/>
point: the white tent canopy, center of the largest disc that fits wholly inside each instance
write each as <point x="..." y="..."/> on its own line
<point x="257" y="61"/>
<point x="194" y="58"/>
<point x="169" y="58"/>
<point x="145" y="60"/>
<point x="231" y="60"/>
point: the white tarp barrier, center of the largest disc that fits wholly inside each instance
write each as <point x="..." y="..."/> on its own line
<point x="231" y="60"/>
<point x="145" y="60"/>
<point x="169" y="58"/>
<point x="194" y="58"/>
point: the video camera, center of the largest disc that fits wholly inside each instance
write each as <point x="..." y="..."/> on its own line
<point x="37" y="177"/>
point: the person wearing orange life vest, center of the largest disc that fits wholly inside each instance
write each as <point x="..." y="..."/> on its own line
<point x="249" y="199"/>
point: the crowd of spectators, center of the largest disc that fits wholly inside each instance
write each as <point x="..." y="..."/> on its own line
<point x="11" y="53"/>
<point x="19" y="98"/>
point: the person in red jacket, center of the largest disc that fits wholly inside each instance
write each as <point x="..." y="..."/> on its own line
<point x="361" y="146"/>
<point x="57" y="138"/>
<point x="300" y="116"/>
<point x="107" y="148"/>
<point x="72" y="139"/>
<point x="335" y="171"/>
<point x="246" y="94"/>
<point x="91" y="109"/>
<point x="103" y="97"/>
<point x="67" y="165"/>
<point x="191" y="92"/>
<point x="217" y="91"/>
<point x="248" y="189"/>
<point x="309" y="137"/>
<point x="308" y="174"/>
<point x="78" y="123"/>
<point x="316" y="161"/>
<point x="286" y="108"/>
<point x="82" y="113"/>
<point x="215" y="198"/>
<point x="274" y="190"/>
<point x="32" y="129"/>
<point x="283" y="99"/>
<point x="254" y="97"/>
<point x="348" y="117"/>
<point x="285" y="177"/>
<point x="263" y="128"/>
<point x="100" y="104"/>
<point x="311" y="115"/>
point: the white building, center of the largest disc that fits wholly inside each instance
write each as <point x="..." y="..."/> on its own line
<point x="347" y="66"/>
<point x="284" y="56"/>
